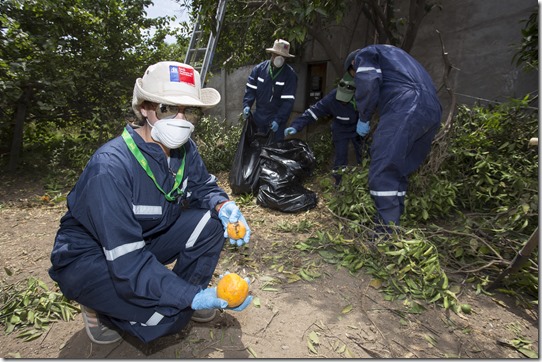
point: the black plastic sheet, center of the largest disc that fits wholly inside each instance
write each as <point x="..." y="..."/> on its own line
<point x="285" y="165"/>
<point x="245" y="170"/>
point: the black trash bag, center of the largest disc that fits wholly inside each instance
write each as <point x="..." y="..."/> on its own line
<point x="245" y="170"/>
<point x="285" y="165"/>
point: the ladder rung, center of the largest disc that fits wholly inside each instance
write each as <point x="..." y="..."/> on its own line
<point x="199" y="50"/>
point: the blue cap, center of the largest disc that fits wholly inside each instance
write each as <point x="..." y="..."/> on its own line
<point x="349" y="59"/>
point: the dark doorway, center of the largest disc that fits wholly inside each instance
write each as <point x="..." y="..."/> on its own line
<point x="316" y="79"/>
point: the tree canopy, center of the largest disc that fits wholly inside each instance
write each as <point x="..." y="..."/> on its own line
<point x="62" y="60"/>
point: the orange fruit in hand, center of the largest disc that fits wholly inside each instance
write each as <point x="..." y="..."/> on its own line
<point x="233" y="289"/>
<point x="236" y="230"/>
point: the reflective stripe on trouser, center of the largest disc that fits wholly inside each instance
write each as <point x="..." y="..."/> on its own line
<point x="390" y="206"/>
<point x="195" y="264"/>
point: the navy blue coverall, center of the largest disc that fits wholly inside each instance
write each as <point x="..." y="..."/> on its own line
<point x="119" y="232"/>
<point x="392" y="82"/>
<point x="343" y="126"/>
<point x="274" y="93"/>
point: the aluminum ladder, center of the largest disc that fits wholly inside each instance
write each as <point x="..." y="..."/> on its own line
<point x="196" y="49"/>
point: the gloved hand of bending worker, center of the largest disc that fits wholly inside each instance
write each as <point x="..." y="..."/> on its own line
<point x="230" y="213"/>
<point x="246" y="112"/>
<point x="274" y="126"/>
<point x="207" y="299"/>
<point x="362" y="128"/>
<point x="247" y="300"/>
<point x="289" y="131"/>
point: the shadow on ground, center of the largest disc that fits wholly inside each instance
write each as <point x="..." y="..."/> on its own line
<point x="195" y="341"/>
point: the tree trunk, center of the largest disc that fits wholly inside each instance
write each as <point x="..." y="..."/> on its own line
<point x="20" y="116"/>
<point x="416" y="14"/>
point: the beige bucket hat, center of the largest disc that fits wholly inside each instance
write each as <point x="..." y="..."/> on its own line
<point x="173" y="83"/>
<point x="281" y="47"/>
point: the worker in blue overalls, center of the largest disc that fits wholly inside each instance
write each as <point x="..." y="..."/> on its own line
<point x="272" y="85"/>
<point x="341" y="105"/>
<point x="145" y="200"/>
<point x="391" y="82"/>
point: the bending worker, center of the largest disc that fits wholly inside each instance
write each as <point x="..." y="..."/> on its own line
<point x="391" y="82"/>
<point x="341" y="105"/>
<point x="272" y="85"/>
<point x="144" y="200"/>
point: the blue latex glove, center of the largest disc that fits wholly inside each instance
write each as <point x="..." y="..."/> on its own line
<point x="229" y="212"/>
<point x="289" y="131"/>
<point x="362" y="128"/>
<point x="246" y="302"/>
<point x="207" y="299"/>
<point x="246" y="112"/>
<point x="274" y="126"/>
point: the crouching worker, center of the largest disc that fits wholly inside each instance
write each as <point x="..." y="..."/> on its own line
<point x="145" y="199"/>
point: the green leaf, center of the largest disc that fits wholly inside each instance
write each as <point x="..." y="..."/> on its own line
<point x="311" y="347"/>
<point x="256" y="302"/>
<point x="528" y="352"/>
<point x="313" y="336"/>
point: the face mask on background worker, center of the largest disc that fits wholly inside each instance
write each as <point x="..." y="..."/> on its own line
<point x="278" y="61"/>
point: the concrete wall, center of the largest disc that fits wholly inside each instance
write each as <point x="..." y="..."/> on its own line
<point x="480" y="37"/>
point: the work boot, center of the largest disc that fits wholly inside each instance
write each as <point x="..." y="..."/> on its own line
<point x="204" y="315"/>
<point x="96" y="330"/>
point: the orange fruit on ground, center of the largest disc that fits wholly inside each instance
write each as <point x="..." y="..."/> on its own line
<point x="236" y="230"/>
<point x="233" y="289"/>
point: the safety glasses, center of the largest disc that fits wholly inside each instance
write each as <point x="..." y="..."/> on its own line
<point x="348" y="86"/>
<point x="192" y="114"/>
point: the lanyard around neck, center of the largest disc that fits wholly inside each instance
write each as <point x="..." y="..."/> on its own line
<point x="271" y="71"/>
<point x="145" y="165"/>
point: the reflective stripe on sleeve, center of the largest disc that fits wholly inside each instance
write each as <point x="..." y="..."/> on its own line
<point x="368" y="69"/>
<point x="343" y="118"/>
<point x="119" y="251"/>
<point x="312" y="114"/>
<point x="252" y="86"/>
<point x="287" y="97"/>
<point x="279" y="83"/>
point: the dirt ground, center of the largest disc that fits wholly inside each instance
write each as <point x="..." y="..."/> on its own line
<point x="337" y="315"/>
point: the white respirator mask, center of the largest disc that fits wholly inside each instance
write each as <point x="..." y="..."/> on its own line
<point x="172" y="133"/>
<point x="278" y="61"/>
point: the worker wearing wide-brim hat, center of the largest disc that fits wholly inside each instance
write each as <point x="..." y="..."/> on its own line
<point x="272" y="85"/>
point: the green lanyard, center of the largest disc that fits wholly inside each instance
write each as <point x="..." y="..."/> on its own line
<point x="143" y="162"/>
<point x="271" y="71"/>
